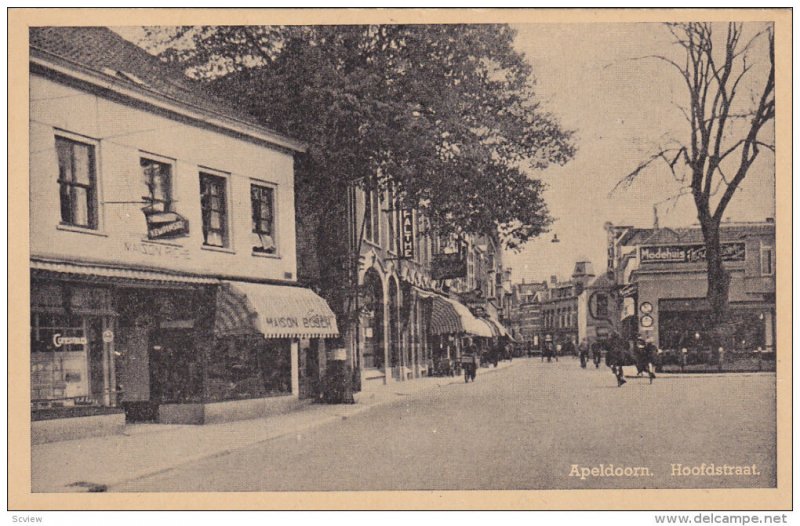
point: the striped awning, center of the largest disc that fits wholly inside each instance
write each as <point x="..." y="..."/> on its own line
<point x="451" y="317"/>
<point x="275" y="311"/>
<point x="493" y="326"/>
<point x="501" y="330"/>
<point x="90" y="272"/>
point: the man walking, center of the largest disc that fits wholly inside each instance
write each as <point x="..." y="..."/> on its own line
<point x="583" y="352"/>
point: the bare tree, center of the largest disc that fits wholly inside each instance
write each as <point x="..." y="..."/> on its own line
<point x="725" y="129"/>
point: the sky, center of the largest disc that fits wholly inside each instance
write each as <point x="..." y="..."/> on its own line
<point x="620" y="109"/>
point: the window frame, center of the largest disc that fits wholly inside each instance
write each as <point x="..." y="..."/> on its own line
<point x="227" y="230"/>
<point x="93" y="197"/>
<point x="256" y="250"/>
<point x="767" y="249"/>
<point x="392" y="223"/>
<point x="150" y="200"/>
<point x="605" y="313"/>
<point x="372" y="211"/>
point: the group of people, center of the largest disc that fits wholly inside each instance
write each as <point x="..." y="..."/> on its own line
<point x="618" y="352"/>
<point x="642" y="353"/>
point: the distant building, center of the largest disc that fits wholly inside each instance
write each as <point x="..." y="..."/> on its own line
<point x="662" y="276"/>
<point x="525" y="319"/>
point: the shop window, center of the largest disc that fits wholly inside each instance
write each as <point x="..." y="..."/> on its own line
<point x="767" y="263"/>
<point x="59" y="372"/>
<point x="213" y="197"/>
<point x="262" y="199"/>
<point x="77" y="183"/>
<point x="158" y="180"/>
<point x="249" y="367"/>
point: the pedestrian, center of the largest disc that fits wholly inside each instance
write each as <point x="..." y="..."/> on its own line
<point x="558" y="350"/>
<point x="583" y="352"/>
<point x="651" y="351"/>
<point x="597" y="353"/>
<point x="615" y="357"/>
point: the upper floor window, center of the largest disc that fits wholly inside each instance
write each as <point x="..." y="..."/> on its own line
<point x="262" y="199"/>
<point x="158" y="180"/>
<point x="215" y="213"/>
<point x="77" y="183"/>
<point x="373" y="217"/>
<point x="767" y="261"/>
<point x="392" y="221"/>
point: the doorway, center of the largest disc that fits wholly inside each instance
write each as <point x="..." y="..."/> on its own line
<point x="175" y="368"/>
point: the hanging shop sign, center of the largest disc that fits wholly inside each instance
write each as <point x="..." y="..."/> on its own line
<point x="647" y="321"/>
<point x="165" y="225"/>
<point x="108" y="336"/>
<point x="689" y="253"/>
<point x="406" y="234"/>
<point x="448" y="266"/>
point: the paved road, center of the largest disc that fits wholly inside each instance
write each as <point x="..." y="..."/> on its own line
<point x="525" y="427"/>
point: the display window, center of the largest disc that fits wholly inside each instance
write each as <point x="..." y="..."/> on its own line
<point x="59" y="361"/>
<point x="249" y="367"/>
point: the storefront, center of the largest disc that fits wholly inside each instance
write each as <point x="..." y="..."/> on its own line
<point x="665" y="297"/>
<point x="168" y="347"/>
<point x="451" y="325"/>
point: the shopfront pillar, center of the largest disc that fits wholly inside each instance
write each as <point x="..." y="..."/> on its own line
<point x="295" y="361"/>
<point x="387" y="342"/>
<point x="769" y="328"/>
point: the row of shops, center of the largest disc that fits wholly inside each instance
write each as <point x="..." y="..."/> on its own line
<point x="410" y="331"/>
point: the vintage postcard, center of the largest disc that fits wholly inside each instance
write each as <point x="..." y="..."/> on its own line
<point x="404" y="259"/>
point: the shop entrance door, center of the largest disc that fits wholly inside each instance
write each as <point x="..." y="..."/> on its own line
<point x="174" y="368"/>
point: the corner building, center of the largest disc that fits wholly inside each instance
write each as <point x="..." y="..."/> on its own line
<point x="662" y="276"/>
<point x="162" y="256"/>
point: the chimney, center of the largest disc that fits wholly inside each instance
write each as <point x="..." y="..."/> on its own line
<point x="655" y="217"/>
<point x="770" y="220"/>
<point x="553" y="279"/>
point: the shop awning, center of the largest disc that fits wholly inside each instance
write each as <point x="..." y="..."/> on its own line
<point x="275" y="311"/>
<point x="451" y="317"/>
<point x="102" y="273"/>
<point x="498" y="327"/>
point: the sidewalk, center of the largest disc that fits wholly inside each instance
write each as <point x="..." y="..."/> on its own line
<point x="99" y="463"/>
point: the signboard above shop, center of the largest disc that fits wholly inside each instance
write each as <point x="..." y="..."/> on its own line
<point x="449" y="266"/>
<point x="406" y="234"/>
<point x="165" y="225"/>
<point x="688" y="253"/>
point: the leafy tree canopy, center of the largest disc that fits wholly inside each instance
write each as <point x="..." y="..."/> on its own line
<point x="445" y="113"/>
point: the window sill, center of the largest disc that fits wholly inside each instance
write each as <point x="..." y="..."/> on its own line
<point x="81" y="230"/>
<point x="212" y="248"/>
<point x="264" y="255"/>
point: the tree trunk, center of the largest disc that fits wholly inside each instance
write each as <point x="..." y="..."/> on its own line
<point x="718" y="282"/>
